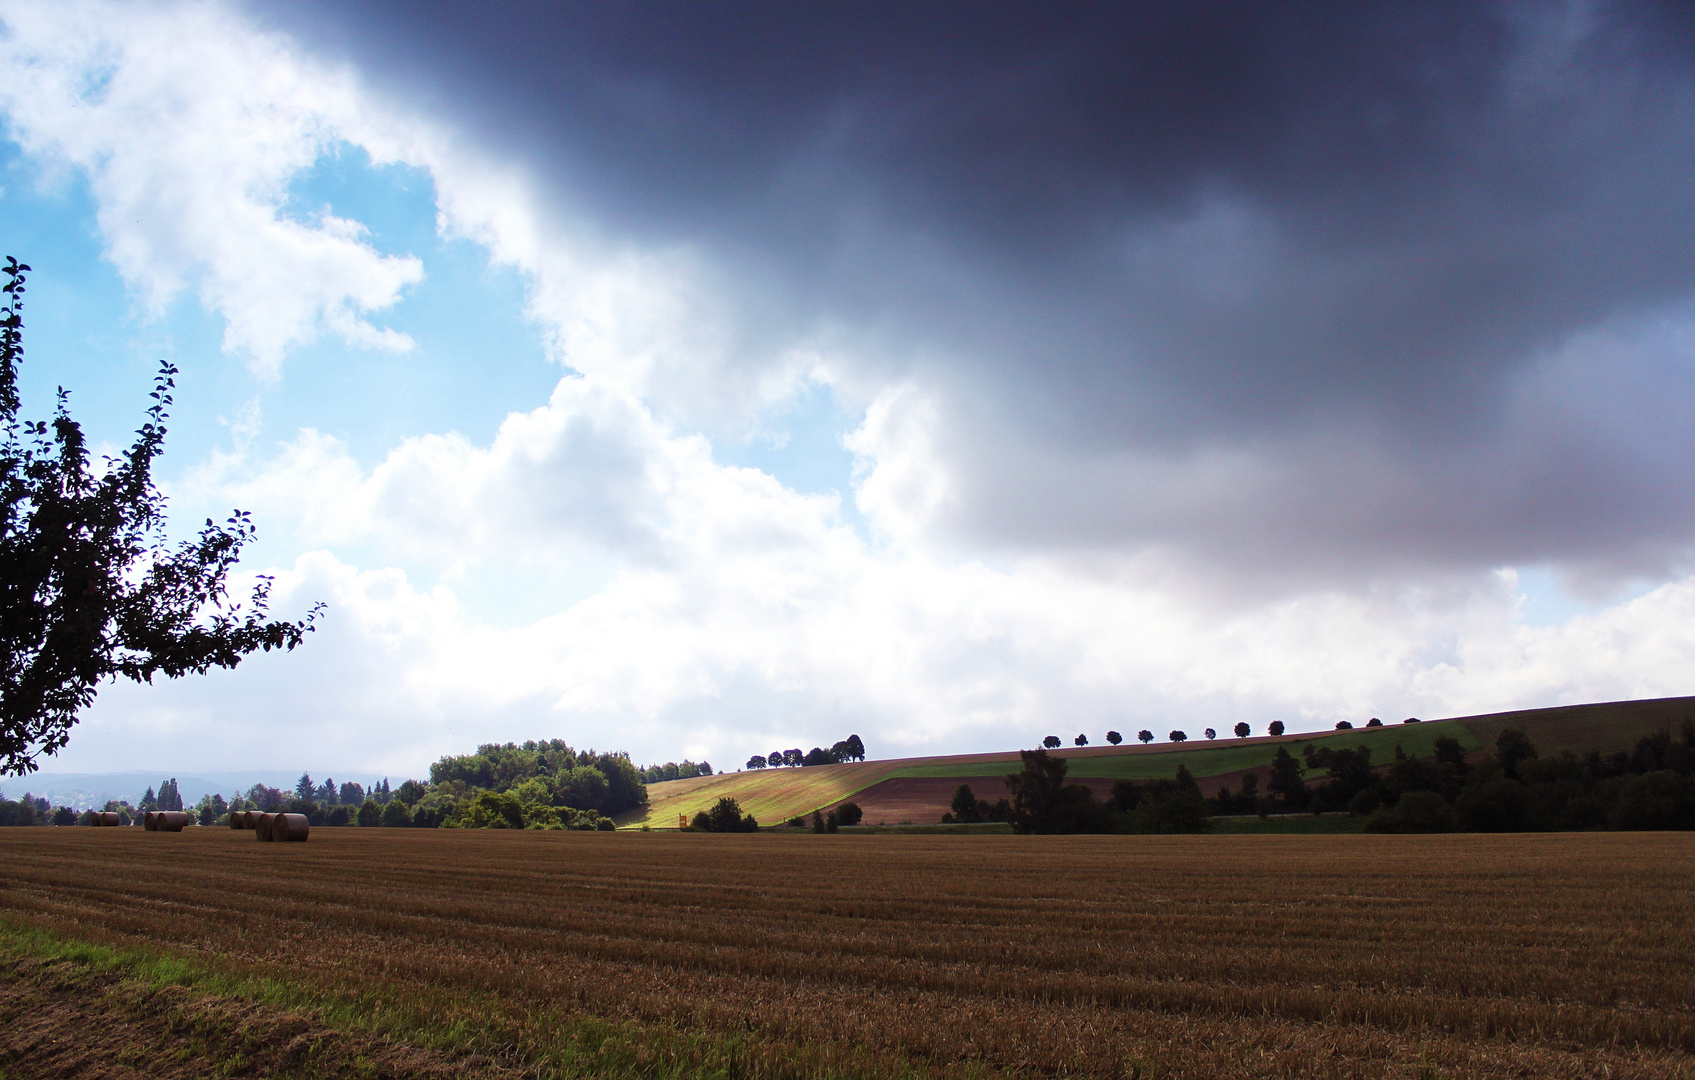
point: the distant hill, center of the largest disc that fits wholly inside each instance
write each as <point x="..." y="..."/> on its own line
<point x="83" y="790"/>
<point x="918" y="789"/>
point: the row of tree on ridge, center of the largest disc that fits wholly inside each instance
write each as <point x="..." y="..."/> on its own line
<point x="1243" y="730"/>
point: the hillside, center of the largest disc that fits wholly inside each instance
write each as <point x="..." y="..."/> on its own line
<point x="918" y="789"/>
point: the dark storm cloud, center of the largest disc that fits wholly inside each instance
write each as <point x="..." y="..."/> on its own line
<point x="1148" y="228"/>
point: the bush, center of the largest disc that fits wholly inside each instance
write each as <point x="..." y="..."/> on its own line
<point x="1365" y="803"/>
<point x="397" y="814"/>
<point x="1174" y="811"/>
<point x="849" y="814"/>
<point x="1417" y="812"/>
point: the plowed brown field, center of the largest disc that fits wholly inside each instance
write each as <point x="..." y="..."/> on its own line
<point x="1549" y="956"/>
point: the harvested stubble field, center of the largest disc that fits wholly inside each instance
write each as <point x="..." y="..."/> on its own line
<point x="788" y="956"/>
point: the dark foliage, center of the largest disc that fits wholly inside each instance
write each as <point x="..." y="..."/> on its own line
<point x="1042" y="802"/>
<point x="1513" y="789"/>
<point x="1243" y="730"/>
<point x="1276" y="728"/>
<point x="1287" y="781"/>
<point x="1114" y="738"/>
<point x="968" y="809"/>
<point x="725" y="817"/>
<point x="849" y="814"/>
<point x="89" y="588"/>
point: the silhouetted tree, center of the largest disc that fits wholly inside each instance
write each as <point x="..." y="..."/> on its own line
<point x="1042" y="802"/>
<point x="1051" y="742"/>
<point x="1145" y="735"/>
<point x="1243" y="730"/>
<point x="1114" y="738"/>
<point x="1178" y="736"/>
<point x="756" y="762"/>
<point x="776" y="759"/>
<point x="1210" y="733"/>
<point x="1449" y="751"/>
<point x="1512" y="748"/>
<point x="1276" y="728"/>
<point x="1286" y="779"/>
<point x="1081" y="740"/>
<point x="849" y="749"/>
<point x="1343" y="725"/>
<point x="1374" y="722"/>
<point x="89" y="590"/>
<point x="794" y="758"/>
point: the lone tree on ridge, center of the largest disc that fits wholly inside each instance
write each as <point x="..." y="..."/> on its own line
<point x="1243" y="730"/>
<point x="1114" y="738"/>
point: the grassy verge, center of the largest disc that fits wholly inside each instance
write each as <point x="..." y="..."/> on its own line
<point x="191" y="1015"/>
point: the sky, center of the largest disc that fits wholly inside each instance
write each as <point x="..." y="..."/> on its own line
<point x="701" y="380"/>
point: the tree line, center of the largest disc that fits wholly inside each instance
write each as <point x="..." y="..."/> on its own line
<point x="534" y="785"/>
<point x="851" y="748"/>
<point x="1043" y="802"/>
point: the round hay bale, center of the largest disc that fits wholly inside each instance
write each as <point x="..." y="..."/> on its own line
<point x="109" y="817"/>
<point x="290" y="827"/>
<point x="149" y="820"/>
<point x="172" y="821"/>
<point x="238" y="819"/>
<point x="249" y="818"/>
<point x="262" y="826"/>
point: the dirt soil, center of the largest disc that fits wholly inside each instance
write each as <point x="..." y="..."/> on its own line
<point x="61" y="1019"/>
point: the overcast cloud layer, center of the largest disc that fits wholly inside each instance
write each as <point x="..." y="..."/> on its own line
<point x="1205" y="366"/>
<point x="1312" y="290"/>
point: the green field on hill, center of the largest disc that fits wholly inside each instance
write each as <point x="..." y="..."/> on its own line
<point x="776" y="795"/>
<point x="1206" y="759"/>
